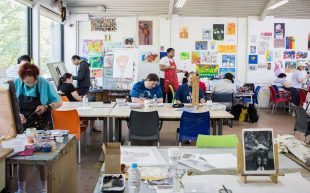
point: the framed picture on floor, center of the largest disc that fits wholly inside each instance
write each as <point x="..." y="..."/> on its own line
<point x="258" y="151"/>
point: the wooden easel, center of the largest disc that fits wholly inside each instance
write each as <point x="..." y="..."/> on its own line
<point x="195" y="91"/>
<point x="240" y="165"/>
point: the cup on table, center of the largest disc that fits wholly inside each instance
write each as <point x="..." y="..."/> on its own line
<point x="209" y="103"/>
<point x="147" y="103"/>
<point x="174" y="155"/>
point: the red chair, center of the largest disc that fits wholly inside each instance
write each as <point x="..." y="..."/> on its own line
<point x="277" y="97"/>
<point x="302" y="97"/>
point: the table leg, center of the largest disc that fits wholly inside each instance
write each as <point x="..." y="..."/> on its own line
<point x="214" y="127"/>
<point x="116" y="129"/>
<point x="111" y="129"/>
<point x="220" y="127"/>
<point x="120" y="139"/>
<point x="105" y="130"/>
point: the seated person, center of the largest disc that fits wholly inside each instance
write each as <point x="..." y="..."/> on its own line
<point x="281" y="82"/>
<point x="226" y="85"/>
<point x="147" y="89"/>
<point x="184" y="92"/>
<point x="201" y="84"/>
<point x="66" y="87"/>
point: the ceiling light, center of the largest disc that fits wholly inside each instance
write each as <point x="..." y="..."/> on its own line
<point x="282" y="2"/>
<point x="180" y="3"/>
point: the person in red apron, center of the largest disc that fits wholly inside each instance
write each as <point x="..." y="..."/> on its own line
<point x="168" y="74"/>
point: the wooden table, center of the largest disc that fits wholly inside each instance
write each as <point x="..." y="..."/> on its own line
<point x="286" y="166"/>
<point x="166" y="113"/>
<point x="4" y="152"/>
<point x="61" y="166"/>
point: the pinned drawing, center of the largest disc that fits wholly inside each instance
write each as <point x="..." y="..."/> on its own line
<point x="184" y="33"/>
<point x="145" y="32"/>
<point x="279" y="31"/>
<point x="288" y="54"/>
<point x="206" y="34"/>
<point x="95" y="61"/>
<point x="201" y="45"/>
<point x="279" y="43"/>
<point x="195" y="57"/>
<point x="128" y="42"/>
<point x="228" y="61"/>
<point x="253" y="59"/>
<point x="223" y="71"/>
<point x="92" y="47"/>
<point x="123" y="64"/>
<point x="104" y="24"/>
<point x="252" y="49"/>
<point x="301" y="55"/>
<point x="184" y="56"/>
<point x="218" y="31"/>
<point x="208" y="57"/>
<point x="253" y="67"/>
<point x="269" y="55"/>
<point x="97" y="73"/>
<point x="290" y="42"/>
<point x="262" y="47"/>
<point x="277" y="68"/>
<point x="149" y="57"/>
<point x="290" y="66"/>
<point x="207" y="71"/>
<point x="226" y="48"/>
<point x="231" y="29"/>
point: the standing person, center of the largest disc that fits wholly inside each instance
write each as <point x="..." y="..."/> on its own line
<point x="83" y="76"/>
<point x="36" y="98"/>
<point x="168" y="74"/>
<point x="12" y="71"/>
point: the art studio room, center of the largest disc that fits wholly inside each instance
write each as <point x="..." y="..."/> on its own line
<point x="154" y="96"/>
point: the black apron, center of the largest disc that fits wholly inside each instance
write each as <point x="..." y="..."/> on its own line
<point x="27" y="105"/>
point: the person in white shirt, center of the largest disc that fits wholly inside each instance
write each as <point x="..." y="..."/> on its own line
<point x="12" y="71"/>
<point x="299" y="76"/>
<point x="168" y="74"/>
<point x="226" y="85"/>
<point x="281" y="82"/>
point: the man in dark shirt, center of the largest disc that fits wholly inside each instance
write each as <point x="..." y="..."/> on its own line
<point x="83" y="76"/>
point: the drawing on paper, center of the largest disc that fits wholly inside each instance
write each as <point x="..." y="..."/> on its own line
<point x="97" y="73"/>
<point x="279" y="43"/>
<point x="269" y="55"/>
<point x="226" y="48"/>
<point x="149" y="57"/>
<point x="279" y="31"/>
<point x="290" y="42"/>
<point x="201" y="45"/>
<point x="95" y="61"/>
<point x="218" y="31"/>
<point x="92" y="47"/>
<point x="277" y="68"/>
<point x="207" y="71"/>
<point x="231" y="29"/>
<point x="129" y="41"/>
<point x="184" y="56"/>
<point x="223" y="71"/>
<point x="289" y="54"/>
<point x="145" y="32"/>
<point x="195" y="57"/>
<point x="252" y="49"/>
<point x="253" y="59"/>
<point x="184" y="33"/>
<point x="228" y="60"/>
<point x="290" y="66"/>
<point x="123" y="64"/>
<point x="301" y="55"/>
<point x="206" y="34"/>
<point x="208" y="57"/>
<point x="104" y="24"/>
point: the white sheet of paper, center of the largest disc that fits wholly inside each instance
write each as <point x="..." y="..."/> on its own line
<point x="143" y="156"/>
<point x="18" y="143"/>
<point x="226" y="160"/>
<point x="167" y="191"/>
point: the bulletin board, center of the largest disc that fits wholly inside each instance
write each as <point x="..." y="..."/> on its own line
<point x="7" y="121"/>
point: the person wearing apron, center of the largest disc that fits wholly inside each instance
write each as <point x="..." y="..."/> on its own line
<point x="168" y="74"/>
<point x="36" y="98"/>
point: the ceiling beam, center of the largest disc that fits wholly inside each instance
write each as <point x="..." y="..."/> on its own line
<point x="266" y="10"/>
<point x="171" y="3"/>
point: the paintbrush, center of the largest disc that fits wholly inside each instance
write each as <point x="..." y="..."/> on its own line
<point x="32" y="114"/>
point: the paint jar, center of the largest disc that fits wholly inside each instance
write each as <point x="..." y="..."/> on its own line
<point x="47" y="148"/>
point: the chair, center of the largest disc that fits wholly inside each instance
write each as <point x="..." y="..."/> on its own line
<point x="225" y="99"/>
<point x="276" y="98"/>
<point x="60" y="121"/>
<point x="302" y="123"/>
<point x="255" y="97"/>
<point x="193" y="124"/>
<point x="173" y="93"/>
<point x="144" y="126"/>
<point x="64" y="99"/>
<point x="217" y="141"/>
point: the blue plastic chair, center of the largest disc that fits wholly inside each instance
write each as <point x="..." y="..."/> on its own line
<point x="193" y="124"/>
<point x="255" y="97"/>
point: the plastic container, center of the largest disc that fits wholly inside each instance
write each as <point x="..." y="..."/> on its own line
<point x="113" y="183"/>
<point x="134" y="179"/>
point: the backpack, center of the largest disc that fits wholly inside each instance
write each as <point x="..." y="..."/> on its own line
<point x="236" y="110"/>
<point x="252" y="114"/>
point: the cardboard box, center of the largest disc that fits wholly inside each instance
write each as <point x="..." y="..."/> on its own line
<point x="112" y="155"/>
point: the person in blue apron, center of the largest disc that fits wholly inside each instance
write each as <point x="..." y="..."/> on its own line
<point x="36" y="98"/>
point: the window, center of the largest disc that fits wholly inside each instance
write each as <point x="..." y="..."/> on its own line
<point x="13" y="32"/>
<point x="50" y="44"/>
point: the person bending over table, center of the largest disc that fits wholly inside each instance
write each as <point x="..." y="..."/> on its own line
<point x="226" y="85"/>
<point x="184" y="92"/>
<point x="147" y="89"/>
<point x="281" y="82"/>
<point x="36" y="98"/>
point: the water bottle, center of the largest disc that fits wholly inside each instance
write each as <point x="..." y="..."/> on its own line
<point x="134" y="179"/>
<point x="155" y="99"/>
<point x="85" y="99"/>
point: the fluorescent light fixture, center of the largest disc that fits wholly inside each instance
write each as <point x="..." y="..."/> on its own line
<point x="276" y="5"/>
<point x="180" y="3"/>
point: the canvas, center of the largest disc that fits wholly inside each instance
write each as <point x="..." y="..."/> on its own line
<point x="208" y="57"/>
<point x="228" y="60"/>
<point x="226" y="48"/>
<point x="145" y="32"/>
<point x="149" y="57"/>
<point x="201" y="45"/>
<point x="195" y="57"/>
<point x="231" y="29"/>
<point x="95" y="61"/>
<point x="253" y="59"/>
<point x="290" y="66"/>
<point x="207" y="71"/>
<point x="258" y="151"/>
<point x="206" y="34"/>
<point x="218" y="31"/>
<point x="184" y="33"/>
<point x="289" y="54"/>
<point x="279" y="30"/>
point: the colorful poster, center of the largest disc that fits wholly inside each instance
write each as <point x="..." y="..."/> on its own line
<point x="228" y="61"/>
<point x="149" y="57"/>
<point x="218" y="31"/>
<point x="223" y="71"/>
<point x="201" y="45"/>
<point x="290" y="66"/>
<point x="129" y="42"/>
<point x="279" y="30"/>
<point x="184" y="56"/>
<point x="279" y="43"/>
<point x="145" y="32"/>
<point x="226" y="48"/>
<point x="206" y="34"/>
<point x="252" y="49"/>
<point x="184" y="33"/>
<point x="290" y="42"/>
<point x="104" y="24"/>
<point x="195" y="57"/>
<point x="253" y="59"/>
<point x="207" y="71"/>
<point x="231" y="29"/>
<point x="277" y="68"/>
<point x="123" y="64"/>
<point x="92" y="47"/>
<point x="269" y="55"/>
<point x="95" y="61"/>
<point x="301" y="55"/>
<point x="162" y="54"/>
<point x="288" y="54"/>
<point x="97" y="73"/>
<point x="208" y="57"/>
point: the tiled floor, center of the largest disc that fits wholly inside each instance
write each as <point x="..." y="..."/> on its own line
<point x="88" y="170"/>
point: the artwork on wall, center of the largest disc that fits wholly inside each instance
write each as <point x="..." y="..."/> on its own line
<point x="231" y="29"/>
<point x="145" y="32"/>
<point x="262" y="47"/>
<point x="218" y="31"/>
<point x="162" y="54"/>
<point x="253" y="39"/>
<point x="279" y="43"/>
<point x="195" y="57"/>
<point x="278" y="54"/>
<point x="208" y="57"/>
<point x="123" y="64"/>
<point x="279" y="30"/>
<point x="104" y="24"/>
<point x="288" y="54"/>
<point x="107" y="38"/>
<point x="252" y="49"/>
<point x="97" y="73"/>
<point x="149" y="57"/>
<point x="201" y="45"/>
<point x="108" y="60"/>
<point x="269" y="55"/>
<point x="266" y="34"/>
<point x="301" y="55"/>
<point x="290" y="42"/>
<point x="269" y="66"/>
<point x="184" y="33"/>
<point x="92" y="47"/>
<point x="95" y="61"/>
<point x="212" y="44"/>
<point x="262" y="64"/>
<point x="253" y="67"/>
<point x="309" y="41"/>
<point x="253" y="59"/>
<point x="277" y="68"/>
<point x="129" y="41"/>
<point x="206" y="34"/>
<point x="207" y="71"/>
<point x="228" y="60"/>
<point x="290" y="66"/>
<point x="223" y="71"/>
<point x="184" y="56"/>
<point x="226" y="48"/>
